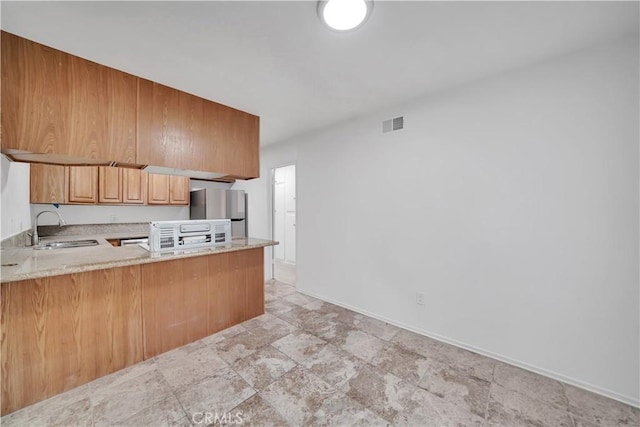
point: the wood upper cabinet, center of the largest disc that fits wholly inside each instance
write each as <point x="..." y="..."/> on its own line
<point x="134" y="187"/>
<point x="35" y="96"/>
<point x="56" y="103"/>
<point x="167" y="189"/>
<point x="170" y="127"/>
<point x="83" y="184"/>
<point x="59" y="108"/>
<point x="48" y="184"/>
<point x="105" y="185"/>
<point x="235" y="140"/>
<point x="109" y="185"/>
<point x="179" y="188"/>
<point x="158" y="189"/>
<point x="176" y="129"/>
<point x="102" y="113"/>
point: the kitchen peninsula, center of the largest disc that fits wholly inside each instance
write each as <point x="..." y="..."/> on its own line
<point x="72" y="315"/>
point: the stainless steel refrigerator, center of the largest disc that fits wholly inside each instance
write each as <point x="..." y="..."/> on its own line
<point x="217" y="203"/>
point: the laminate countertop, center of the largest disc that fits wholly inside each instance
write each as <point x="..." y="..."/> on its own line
<point x="23" y="263"/>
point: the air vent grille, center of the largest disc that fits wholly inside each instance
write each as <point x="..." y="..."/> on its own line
<point x="166" y="238"/>
<point x="393" y="125"/>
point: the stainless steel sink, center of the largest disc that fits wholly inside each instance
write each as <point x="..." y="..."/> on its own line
<point x="67" y="244"/>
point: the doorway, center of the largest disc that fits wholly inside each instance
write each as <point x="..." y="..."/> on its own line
<point x="284" y="224"/>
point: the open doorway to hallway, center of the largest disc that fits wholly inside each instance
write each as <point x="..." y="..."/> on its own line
<point x="284" y="224"/>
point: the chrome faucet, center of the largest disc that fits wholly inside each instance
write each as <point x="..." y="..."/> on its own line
<point x="34" y="237"/>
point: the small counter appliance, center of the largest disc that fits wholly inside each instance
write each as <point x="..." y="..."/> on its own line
<point x="168" y="236"/>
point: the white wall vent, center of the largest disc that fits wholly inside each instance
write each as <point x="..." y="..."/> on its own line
<point x="392" y="125"/>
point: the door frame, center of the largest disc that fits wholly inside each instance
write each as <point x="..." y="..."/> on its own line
<point x="272" y="186"/>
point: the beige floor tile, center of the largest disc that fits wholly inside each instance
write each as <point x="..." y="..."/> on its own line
<point x="472" y="364"/>
<point x="351" y="340"/>
<point x="256" y="412"/>
<point x="279" y="289"/>
<point x="299" y="299"/>
<point x="122" y="376"/>
<point x="340" y="410"/>
<point x="592" y="409"/>
<point x="218" y="394"/>
<point x="337" y="313"/>
<point x="226" y="333"/>
<point x="239" y="346"/>
<point x="263" y="367"/>
<point x="119" y="401"/>
<point x="285" y="310"/>
<point x="269" y="327"/>
<point x="308" y="320"/>
<point x="424" y="346"/>
<point x="375" y="327"/>
<point x="333" y="365"/>
<point x="508" y="407"/>
<point x="299" y="345"/>
<point x="285" y="272"/>
<point x="297" y="395"/>
<point x="530" y="384"/>
<point x="182" y="369"/>
<point x="401" y="362"/>
<point x="316" y="305"/>
<point x="427" y="409"/>
<point x="381" y="392"/>
<point x="167" y="412"/>
<point x="456" y="387"/>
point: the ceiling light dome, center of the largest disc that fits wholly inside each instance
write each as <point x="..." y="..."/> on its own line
<point x="344" y="15"/>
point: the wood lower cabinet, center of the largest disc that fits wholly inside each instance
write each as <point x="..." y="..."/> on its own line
<point x="174" y="304"/>
<point x="83" y="184"/>
<point x="109" y="185"/>
<point x="48" y="184"/>
<point x="188" y="299"/>
<point x="64" y="331"/>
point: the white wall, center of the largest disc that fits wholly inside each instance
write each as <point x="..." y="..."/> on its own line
<point x="511" y="203"/>
<point x="14" y="199"/>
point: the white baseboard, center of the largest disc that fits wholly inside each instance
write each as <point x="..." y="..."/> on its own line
<point x="544" y="372"/>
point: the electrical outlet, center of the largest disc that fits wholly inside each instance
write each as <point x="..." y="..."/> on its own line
<point x="419" y="298"/>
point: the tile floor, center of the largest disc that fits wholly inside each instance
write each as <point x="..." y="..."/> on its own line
<point x="307" y="362"/>
<point x="284" y="272"/>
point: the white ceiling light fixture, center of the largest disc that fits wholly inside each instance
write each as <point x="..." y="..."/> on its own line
<point x="344" y="15"/>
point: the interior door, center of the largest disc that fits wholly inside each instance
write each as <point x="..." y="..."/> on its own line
<point x="279" y="214"/>
<point x="290" y="214"/>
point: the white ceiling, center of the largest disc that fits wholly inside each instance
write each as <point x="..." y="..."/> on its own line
<point x="275" y="59"/>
